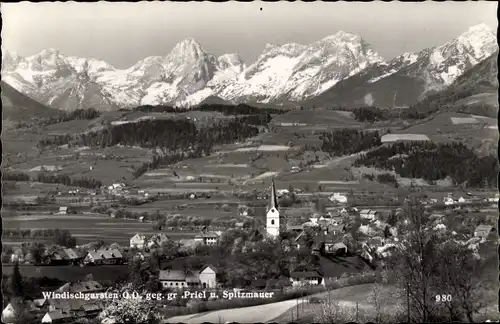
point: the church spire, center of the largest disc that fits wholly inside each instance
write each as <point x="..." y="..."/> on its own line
<point x="274" y="199"/>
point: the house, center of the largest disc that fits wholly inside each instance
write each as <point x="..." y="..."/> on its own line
<point x="178" y="279"/>
<point x="57" y="316"/>
<point x="335" y="248"/>
<point x="157" y="240"/>
<point x="339" y="198"/>
<point x="103" y="256"/>
<point x="483" y="231"/>
<point x="335" y="229"/>
<point x="448" y="201"/>
<point x="9" y="313"/>
<point x="302" y="278"/>
<point x="56" y="256"/>
<point x="207" y="238"/>
<point x="318" y="245"/>
<point x="138" y="241"/>
<point x="63" y="210"/>
<point x="300" y="241"/>
<point x="314" y="220"/>
<point x="208" y="276"/>
<point x="89" y="286"/>
<point x="64" y="310"/>
<point x="375" y="242"/>
<point x="368" y="214"/>
<point x="72" y="256"/>
<point x="17" y="256"/>
<point x="295" y="228"/>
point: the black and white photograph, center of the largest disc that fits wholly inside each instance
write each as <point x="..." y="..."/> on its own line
<point x="249" y="162"/>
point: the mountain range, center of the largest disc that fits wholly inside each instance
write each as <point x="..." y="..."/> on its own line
<point x="341" y="69"/>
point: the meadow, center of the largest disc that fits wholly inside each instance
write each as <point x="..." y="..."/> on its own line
<point x="70" y="273"/>
<point x="87" y="228"/>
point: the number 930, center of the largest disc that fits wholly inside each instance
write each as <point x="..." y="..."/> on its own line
<point x="443" y="298"/>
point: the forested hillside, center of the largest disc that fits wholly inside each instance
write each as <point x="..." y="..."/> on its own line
<point x="431" y="161"/>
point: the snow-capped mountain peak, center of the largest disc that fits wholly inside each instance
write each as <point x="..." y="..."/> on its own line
<point x="188" y="73"/>
<point x="188" y="48"/>
<point x="230" y="60"/>
<point x="341" y="36"/>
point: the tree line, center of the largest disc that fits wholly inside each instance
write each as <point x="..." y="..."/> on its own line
<point x="348" y="141"/>
<point x="79" y="114"/>
<point x="240" y="109"/>
<point x="174" y="135"/>
<point x="44" y="177"/>
<point x="433" y="162"/>
<point x="61" y="237"/>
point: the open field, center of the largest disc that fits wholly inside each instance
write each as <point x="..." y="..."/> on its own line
<point x="87" y="228"/>
<point x="441" y="129"/>
<point x="318" y="117"/>
<point x="463" y="120"/>
<point x="403" y="137"/>
<point x="70" y="273"/>
<point x="253" y="314"/>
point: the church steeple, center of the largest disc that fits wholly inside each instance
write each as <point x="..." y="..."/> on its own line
<point x="274" y="197"/>
<point x="273" y="219"/>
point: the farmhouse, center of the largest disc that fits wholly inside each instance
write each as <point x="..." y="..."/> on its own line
<point x="339" y="198"/>
<point x="157" y="240"/>
<point x="138" y="241"/>
<point x="295" y="228"/>
<point x="9" y="312"/>
<point x="335" y="248"/>
<point x="62" y="310"/>
<point x="207" y="238"/>
<point x="205" y="278"/>
<point x="103" y="256"/>
<point x="89" y="286"/>
<point x="483" y="231"/>
<point x="63" y="210"/>
<point x="448" y="201"/>
<point x="62" y="256"/>
<point x="302" y="278"/>
<point x="57" y="316"/>
<point x="334" y="229"/>
<point x="300" y="241"/>
<point x="368" y="214"/>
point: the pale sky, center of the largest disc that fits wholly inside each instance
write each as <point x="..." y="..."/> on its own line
<point x="124" y="33"/>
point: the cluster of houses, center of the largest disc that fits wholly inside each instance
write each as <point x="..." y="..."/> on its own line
<point x="57" y="310"/>
<point x="143" y="242"/>
<point x="65" y="256"/>
<point x="449" y="200"/>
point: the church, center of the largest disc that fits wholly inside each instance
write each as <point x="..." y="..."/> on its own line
<point x="275" y="222"/>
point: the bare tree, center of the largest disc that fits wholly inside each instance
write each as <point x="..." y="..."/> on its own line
<point x="332" y="311"/>
<point x="463" y="279"/>
<point x="416" y="262"/>
<point x="378" y="303"/>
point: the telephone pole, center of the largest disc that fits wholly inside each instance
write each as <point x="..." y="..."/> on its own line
<point x="408" y="299"/>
